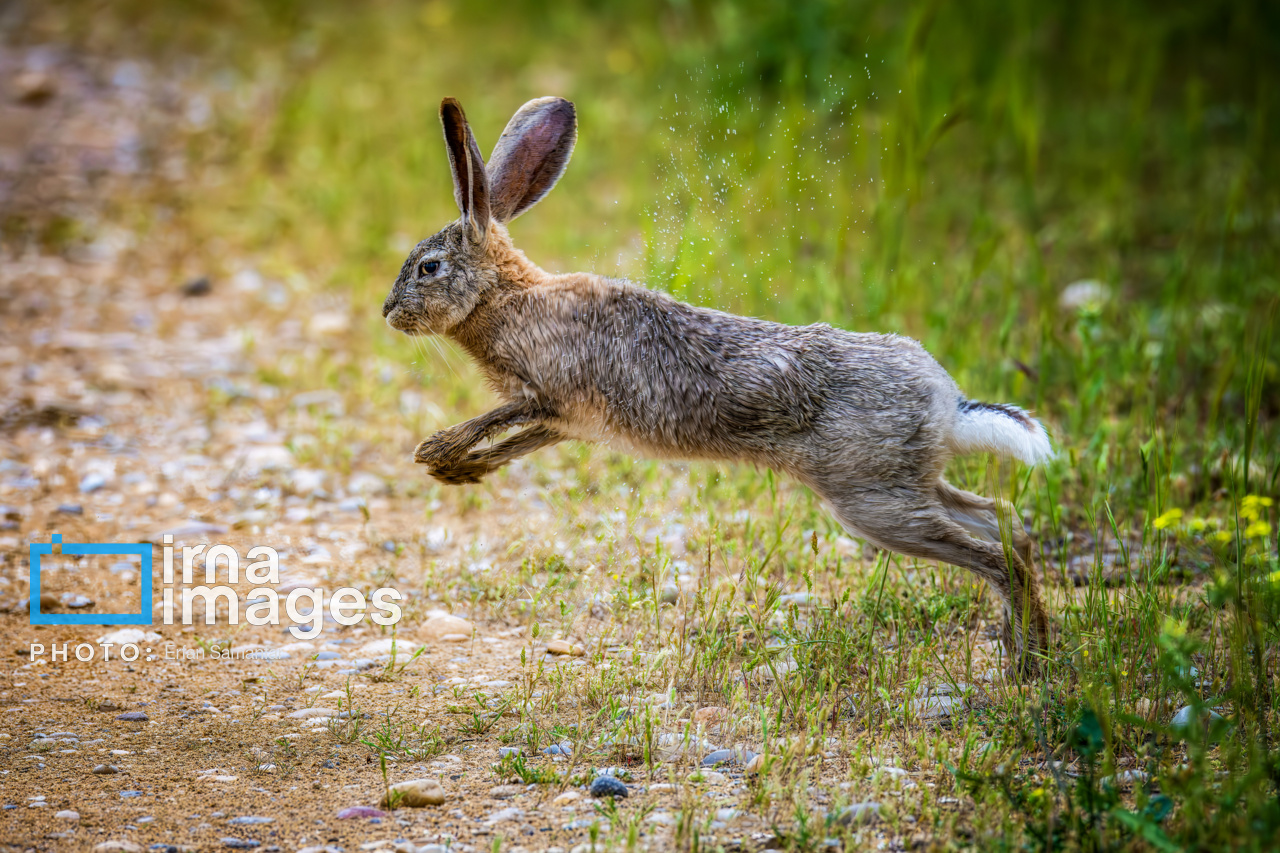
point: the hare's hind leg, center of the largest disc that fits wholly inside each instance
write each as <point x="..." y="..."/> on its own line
<point x="987" y="518"/>
<point x="920" y="524"/>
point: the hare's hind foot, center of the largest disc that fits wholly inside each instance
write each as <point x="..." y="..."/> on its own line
<point x="1031" y="665"/>
<point x="949" y="525"/>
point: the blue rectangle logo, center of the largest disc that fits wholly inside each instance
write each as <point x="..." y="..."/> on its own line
<point x="141" y="549"/>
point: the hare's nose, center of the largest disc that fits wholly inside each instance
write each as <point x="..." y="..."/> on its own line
<point x="389" y="305"/>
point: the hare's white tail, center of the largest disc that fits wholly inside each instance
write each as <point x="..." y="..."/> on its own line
<point x="1001" y="429"/>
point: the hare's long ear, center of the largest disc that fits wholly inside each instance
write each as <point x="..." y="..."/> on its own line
<point x="531" y="155"/>
<point x="470" y="183"/>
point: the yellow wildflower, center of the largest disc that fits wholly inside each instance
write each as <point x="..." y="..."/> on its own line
<point x="1258" y="529"/>
<point x="1167" y="519"/>
<point x="1222" y="536"/>
<point x="1251" y="506"/>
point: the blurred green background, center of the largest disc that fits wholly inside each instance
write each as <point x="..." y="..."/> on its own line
<point x="943" y="170"/>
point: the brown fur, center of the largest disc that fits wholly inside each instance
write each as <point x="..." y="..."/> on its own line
<point x="867" y="421"/>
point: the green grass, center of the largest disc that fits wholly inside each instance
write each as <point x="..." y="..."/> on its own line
<point x="941" y="170"/>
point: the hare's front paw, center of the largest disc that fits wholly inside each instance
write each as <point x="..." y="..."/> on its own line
<point x="458" y="474"/>
<point x="441" y="450"/>
<point x="474" y="466"/>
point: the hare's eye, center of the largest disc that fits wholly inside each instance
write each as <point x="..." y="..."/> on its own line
<point x="428" y="267"/>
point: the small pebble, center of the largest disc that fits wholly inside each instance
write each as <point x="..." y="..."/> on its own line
<point x="1126" y="777"/>
<point x="201" y="286"/>
<point x="563" y="748"/>
<point x="34" y="87"/>
<point x="240" y="843"/>
<point x="710" y="715"/>
<point x="615" y="772"/>
<point x="312" y="713"/>
<point x="935" y="707"/>
<point x="91" y="482"/>
<point x="359" y="812"/>
<point x="728" y="756"/>
<point x="67" y="814"/>
<point x="564" y="647"/>
<point x="249" y="820"/>
<point x="415" y="793"/>
<point x="133" y="717"/>
<point x="1184" y="722"/>
<point x="859" y="814"/>
<point x="447" y="629"/>
<point x="608" y="786"/>
<point x="504" y="815"/>
<point x="506" y="792"/>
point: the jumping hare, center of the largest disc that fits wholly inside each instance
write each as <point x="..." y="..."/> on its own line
<point x="867" y="421"/>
